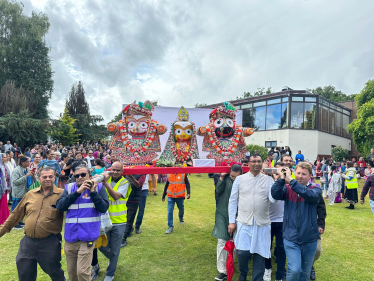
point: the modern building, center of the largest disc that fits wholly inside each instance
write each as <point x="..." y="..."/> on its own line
<point x="298" y="119"/>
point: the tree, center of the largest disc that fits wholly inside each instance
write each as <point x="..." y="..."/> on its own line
<point x="63" y="130"/>
<point x="362" y="128"/>
<point x="24" y="55"/>
<point x="330" y="93"/>
<point x="338" y="153"/>
<point x="23" y="129"/>
<point x="76" y="103"/>
<point x="263" y="151"/>
<point x="259" y="92"/>
<point x="13" y="99"/>
<point x="366" y="94"/>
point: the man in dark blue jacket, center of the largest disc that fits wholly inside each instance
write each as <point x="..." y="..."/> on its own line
<point x="300" y="229"/>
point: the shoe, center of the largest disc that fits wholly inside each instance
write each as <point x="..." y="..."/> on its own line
<point x="312" y="274"/>
<point x="132" y="230"/>
<point x="221" y="277"/>
<point x="95" y="272"/>
<point x="181" y="220"/>
<point x="267" y="275"/>
<point x="155" y="193"/>
<point x="124" y="243"/>
<point x="138" y="230"/>
<point x="18" y="226"/>
<point x="349" y="207"/>
<point x="108" y="278"/>
<point x="169" y="230"/>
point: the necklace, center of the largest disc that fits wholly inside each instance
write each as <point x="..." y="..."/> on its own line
<point x="218" y="146"/>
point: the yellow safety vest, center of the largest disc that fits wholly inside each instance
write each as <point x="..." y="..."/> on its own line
<point x="293" y="175"/>
<point x="273" y="163"/>
<point x="117" y="208"/>
<point x="351" y="184"/>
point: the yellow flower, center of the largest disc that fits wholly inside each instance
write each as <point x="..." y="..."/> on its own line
<point x="185" y="165"/>
<point x="147" y="165"/>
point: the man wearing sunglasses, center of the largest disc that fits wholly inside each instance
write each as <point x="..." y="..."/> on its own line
<point x="84" y="201"/>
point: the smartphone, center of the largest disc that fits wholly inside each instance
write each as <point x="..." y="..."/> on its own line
<point x="270" y="171"/>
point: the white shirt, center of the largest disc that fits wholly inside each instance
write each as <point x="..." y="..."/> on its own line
<point x="145" y="184"/>
<point x="89" y="161"/>
<point x="253" y="238"/>
<point x="276" y="211"/>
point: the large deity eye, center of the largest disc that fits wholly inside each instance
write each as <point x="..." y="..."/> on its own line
<point x="131" y="125"/>
<point x="218" y="123"/>
<point x="189" y="132"/>
<point x="178" y="132"/>
<point x="230" y="122"/>
<point x="143" y="125"/>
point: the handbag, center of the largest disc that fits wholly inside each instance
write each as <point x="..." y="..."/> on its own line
<point x="322" y="180"/>
<point x="106" y="223"/>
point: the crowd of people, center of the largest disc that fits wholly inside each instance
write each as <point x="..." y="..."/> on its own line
<point x="278" y="198"/>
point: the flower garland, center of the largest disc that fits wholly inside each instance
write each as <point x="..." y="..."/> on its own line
<point x="217" y="145"/>
<point x="137" y="149"/>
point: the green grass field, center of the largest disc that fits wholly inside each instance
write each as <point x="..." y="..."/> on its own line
<point x="189" y="253"/>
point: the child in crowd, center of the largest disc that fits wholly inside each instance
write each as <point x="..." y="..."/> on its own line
<point x="368" y="171"/>
<point x="335" y="185"/>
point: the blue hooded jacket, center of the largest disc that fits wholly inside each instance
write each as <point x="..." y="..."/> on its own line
<point x="300" y="210"/>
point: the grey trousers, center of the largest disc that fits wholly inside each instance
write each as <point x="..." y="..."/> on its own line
<point x="258" y="265"/>
<point x="46" y="252"/>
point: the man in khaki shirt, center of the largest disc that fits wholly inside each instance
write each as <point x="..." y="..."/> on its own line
<point x="42" y="241"/>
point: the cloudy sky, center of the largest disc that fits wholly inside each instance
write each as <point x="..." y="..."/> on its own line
<point x="188" y="52"/>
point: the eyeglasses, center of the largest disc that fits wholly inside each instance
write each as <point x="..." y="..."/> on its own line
<point x="114" y="170"/>
<point x="83" y="175"/>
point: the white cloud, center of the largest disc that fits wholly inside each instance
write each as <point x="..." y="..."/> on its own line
<point x="188" y="52"/>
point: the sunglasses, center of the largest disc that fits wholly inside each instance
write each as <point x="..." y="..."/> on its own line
<point x="83" y="175"/>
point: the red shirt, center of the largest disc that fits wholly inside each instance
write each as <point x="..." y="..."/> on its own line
<point x="363" y="162"/>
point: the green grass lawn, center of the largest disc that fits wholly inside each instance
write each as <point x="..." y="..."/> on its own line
<point x="189" y="253"/>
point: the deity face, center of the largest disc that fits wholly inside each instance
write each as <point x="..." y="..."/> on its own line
<point x="224" y="127"/>
<point x="137" y="126"/>
<point x="183" y="131"/>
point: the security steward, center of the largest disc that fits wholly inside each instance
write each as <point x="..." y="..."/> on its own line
<point x="175" y="188"/>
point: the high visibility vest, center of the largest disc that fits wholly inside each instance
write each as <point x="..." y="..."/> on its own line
<point x="273" y="163"/>
<point x="351" y="184"/>
<point x="293" y="175"/>
<point x="117" y="208"/>
<point x="177" y="186"/>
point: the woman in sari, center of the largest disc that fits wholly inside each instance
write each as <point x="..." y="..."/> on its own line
<point x="4" y="190"/>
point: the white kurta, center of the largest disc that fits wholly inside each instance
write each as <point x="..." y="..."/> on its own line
<point x="253" y="238"/>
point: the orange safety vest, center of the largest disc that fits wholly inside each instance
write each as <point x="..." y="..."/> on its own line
<point x="177" y="186"/>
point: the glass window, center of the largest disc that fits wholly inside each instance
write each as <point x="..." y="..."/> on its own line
<point x="246" y="105"/>
<point x="310" y="99"/>
<point x="273" y="116"/>
<point x="297" y="98"/>
<point x="332" y="121"/>
<point x="297" y="115"/>
<point x="284" y="116"/>
<point x="274" y="101"/>
<point x="338" y="126"/>
<point x="310" y="116"/>
<point x="324" y="119"/>
<point x="325" y="102"/>
<point x="260" y="103"/>
<point x="269" y="144"/>
<point x="247" y="118"/>
<point x="346" y="112"/>
<point x="339" y="108"/>
<point x="345" y="133"/>
<point x="332" y="106"/>
<point x="285" y="99"/>
<point x="259" y="114"/>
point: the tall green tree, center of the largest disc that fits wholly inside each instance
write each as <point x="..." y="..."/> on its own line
<point x="23" y="129"/>
<point x="14" y="99"/>
<point x="63" y="130"/>
<point x="366" y="94"/>
<point x="362" y="128"/>
<point x="24" y="55"/>
<point x="329" y="92"/>
<point x="88" y="126"/>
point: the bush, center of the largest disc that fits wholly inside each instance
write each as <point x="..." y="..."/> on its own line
<point x="263" y="151"/>
<point x="338" y="153"/>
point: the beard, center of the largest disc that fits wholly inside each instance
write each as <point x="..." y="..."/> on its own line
<point x="227" y="132"/>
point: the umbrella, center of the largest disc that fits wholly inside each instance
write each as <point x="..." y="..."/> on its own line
<point x="230" y="267"/>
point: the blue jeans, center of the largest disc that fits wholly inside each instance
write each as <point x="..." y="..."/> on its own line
<point x="300" y="259"/>
<point x="112" y="250"/>
<point x="143" y="200"/>
<point x="180" y="205"/>
<point x="372" y="206"/>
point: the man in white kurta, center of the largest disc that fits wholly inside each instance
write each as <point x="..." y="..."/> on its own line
<point x="249" y="208"/>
